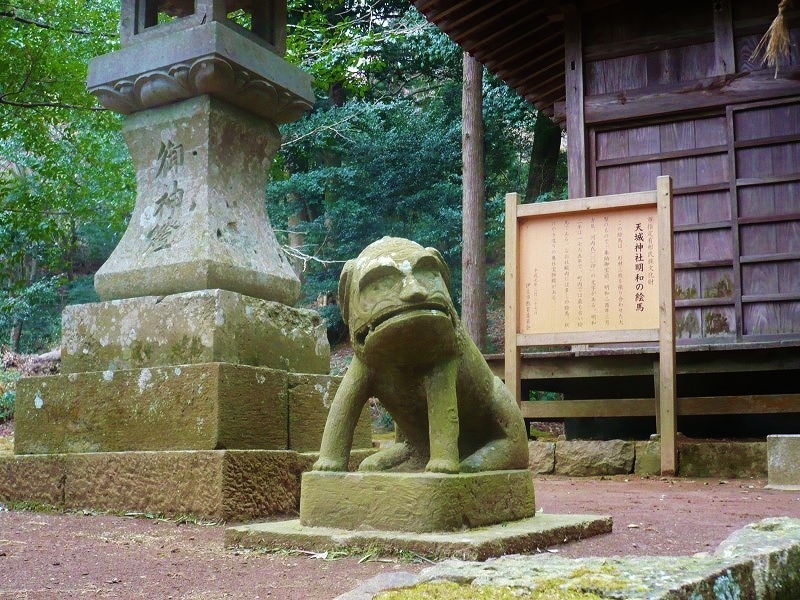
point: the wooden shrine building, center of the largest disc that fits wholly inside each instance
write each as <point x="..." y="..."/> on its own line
<point x="673" y="88"/>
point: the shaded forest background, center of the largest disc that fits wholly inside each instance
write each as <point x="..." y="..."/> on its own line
<point x="380" y="154"/>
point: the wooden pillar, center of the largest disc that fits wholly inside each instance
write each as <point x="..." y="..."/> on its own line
<point x="576" y="131"/>
<point x="667" y="418"/>
<point x="512" y="356"/>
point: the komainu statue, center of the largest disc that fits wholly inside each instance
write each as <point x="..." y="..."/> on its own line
<point x="412" y="353"/>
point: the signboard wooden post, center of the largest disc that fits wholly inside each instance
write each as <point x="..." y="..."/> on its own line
<point x="594" y="270"/>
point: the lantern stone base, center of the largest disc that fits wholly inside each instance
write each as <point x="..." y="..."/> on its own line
<point x="228" y="485"/>
<point x="204" y="326"/>
<point x="183" y="407"/>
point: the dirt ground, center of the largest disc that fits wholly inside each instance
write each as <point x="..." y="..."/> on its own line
<point x="45" y="555"/>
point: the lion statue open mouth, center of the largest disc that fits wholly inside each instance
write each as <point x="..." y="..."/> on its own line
<point x="412" y="353"/>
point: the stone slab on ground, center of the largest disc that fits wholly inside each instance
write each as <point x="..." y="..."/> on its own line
<point x="525" y="535"/>
<point x="227" y="485"/>
<point x="783" y="462"/>
<point x="759" y="562"/>
<point x="419" y="502"/>
<point x="696" y="458"/>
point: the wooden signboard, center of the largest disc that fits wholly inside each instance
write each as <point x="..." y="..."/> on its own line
<point x="594" y="270"/>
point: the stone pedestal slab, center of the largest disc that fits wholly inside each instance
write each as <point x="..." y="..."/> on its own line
<point x="419" y="502"/>
<point x="517" y="537"/>
<point x="228" y="485"/>
<point x="190" y="407"/>
<point x="783" y="462"/>
<point x="193" y="327"/>
<point x="231" y="485"/>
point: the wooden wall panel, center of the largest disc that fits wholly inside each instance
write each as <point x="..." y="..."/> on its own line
<point x="642" y="175"/>
<point x="754" y="163"/>
<point x="757" y="240"/>
<point x="687" y="284"/>
<point x="716" y="244"/>
<point x="790" y="317"/>
<point x="789" y="277"/>
<point x="613" y="180"/>
<point x="615" y="75"/>
<point x="788" y="237"/>
<point x="719" y="321"/>
<point x="685" y="210"/>
<point x="688" y="323"/>
<point x="714" y="207"/>
<point x="611" y="144"/>
<point x="716" y="283"/>
<point x="759" y="279"/>
<point x="755" y="202"/>
<point x="761" y="318"/>
<point x="687" y="247"/>
<point x="787" y="198"/>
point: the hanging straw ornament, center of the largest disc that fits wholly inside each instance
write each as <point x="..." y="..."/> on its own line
<point x="776" y="41"/>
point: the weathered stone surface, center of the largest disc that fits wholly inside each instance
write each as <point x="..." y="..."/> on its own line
<point x="412" y="353"/>
<point x="191" y="407"/>
<point x="211" y="58"/>
<point x="391" y="501"/>
<point x="580" y="458"/>
<point x="648" y="458"/>
<point x="541" y="457"/>
<point x="758" y="562"/>
<point x="310" y="398"/>
<point x="199" y="220"/>
<point x="783" y="462"/>
<point x="525" y="535"/>
<point x="722" y="459"/>
<point x="36" y="479"/>
<point x="212" y="484"/>
<point x="194" y="327"/>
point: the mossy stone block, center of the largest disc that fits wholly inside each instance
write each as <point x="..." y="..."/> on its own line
<point x="310" y="397"/>
<point x="418" y="502"/>
<point x="190" y="328"/>
<point x="229" y="485"/>
<point x="722" y="459"/>
<point x="783" y="461"/>
<point x="191" y="407"/>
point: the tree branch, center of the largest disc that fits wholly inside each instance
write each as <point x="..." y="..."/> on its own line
<point x="4" y="100"/>
<point x="12" y="14"/>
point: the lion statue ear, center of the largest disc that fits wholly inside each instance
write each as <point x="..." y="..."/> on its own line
<point x="443" y="268"/>
<point x="344" y="289"/>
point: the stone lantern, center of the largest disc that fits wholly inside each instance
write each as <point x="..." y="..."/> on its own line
<point x="204" y="94"/>
<point x="183" y="389"/>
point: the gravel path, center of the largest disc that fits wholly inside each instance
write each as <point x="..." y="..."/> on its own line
<point x="71" y="555"/>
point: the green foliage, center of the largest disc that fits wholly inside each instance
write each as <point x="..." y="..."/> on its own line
<point x="8" y="392"/>
<point x="381" y="152"/>
<point x="66" y="182"/>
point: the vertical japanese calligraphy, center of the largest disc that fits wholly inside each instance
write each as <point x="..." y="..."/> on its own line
<point x="600" y="269"/>
<point x="161" y="219"/>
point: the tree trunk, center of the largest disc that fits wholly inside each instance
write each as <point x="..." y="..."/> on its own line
<point x="16" y="334"/>
<point x="544" y="157"/>
<point x="473" y="254"/>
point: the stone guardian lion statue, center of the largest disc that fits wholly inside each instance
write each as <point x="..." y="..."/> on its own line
<point x="412" y="353"/>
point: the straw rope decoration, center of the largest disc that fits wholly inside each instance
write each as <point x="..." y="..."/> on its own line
<point x="776" y="41"/>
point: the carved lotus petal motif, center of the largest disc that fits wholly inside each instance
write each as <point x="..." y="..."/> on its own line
<point x="211" y="75"/>
<point x="116" y="98"/>
<point x="155" y="89"/>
